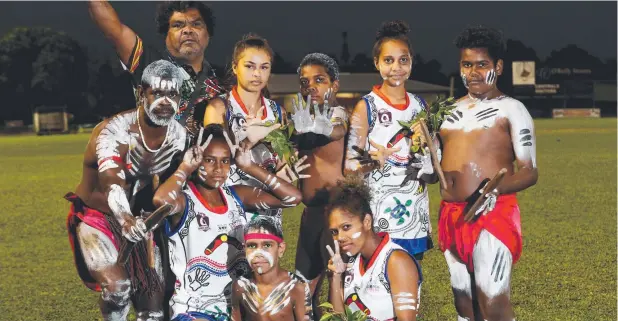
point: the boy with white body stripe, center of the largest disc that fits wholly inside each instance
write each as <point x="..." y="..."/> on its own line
<point x="486" y="132"/>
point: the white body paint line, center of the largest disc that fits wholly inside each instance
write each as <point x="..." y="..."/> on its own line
<point x="118" y="202"/>
<point x="460" y="278"/>
<point x="492" y="265"/>
<point x="406" y="307"/>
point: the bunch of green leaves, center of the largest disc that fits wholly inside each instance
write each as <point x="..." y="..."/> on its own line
<point x="279" y="140"/>
<point x="331" y="315"/>
<point x="438" y="111"/>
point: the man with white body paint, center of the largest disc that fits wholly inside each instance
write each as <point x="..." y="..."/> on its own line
<point x="123" y="155"/>
<point x="270" y="292"/>
<point x="206" y="234"/>
<point x="487" y="131"/>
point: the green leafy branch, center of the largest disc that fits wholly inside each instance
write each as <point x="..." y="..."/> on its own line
<point x="279" y="140"/>
<point x="331" y="315"/>
<point x="438" y="111"/>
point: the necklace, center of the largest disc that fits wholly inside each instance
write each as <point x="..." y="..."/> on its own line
<point x="139" y="126"/>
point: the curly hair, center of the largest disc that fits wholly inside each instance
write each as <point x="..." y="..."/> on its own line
<point x="482" y="37"/>
<point x="166" y="9"/>
<point x="351" y="194"/>
<point x="392" y="30"/>
<point x="320" y="59"/>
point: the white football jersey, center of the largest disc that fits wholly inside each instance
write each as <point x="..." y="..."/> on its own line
<point x="206" y="253"/>
<point x="401" y="211"/>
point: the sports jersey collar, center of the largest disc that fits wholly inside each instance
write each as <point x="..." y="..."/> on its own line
<point x="374" y="256"/>
<point x="376" y="90"/>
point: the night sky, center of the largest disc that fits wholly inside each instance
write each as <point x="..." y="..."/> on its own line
<point x="296" y="28"/>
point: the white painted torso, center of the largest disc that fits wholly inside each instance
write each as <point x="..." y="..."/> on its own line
<point x="140" y="164"/>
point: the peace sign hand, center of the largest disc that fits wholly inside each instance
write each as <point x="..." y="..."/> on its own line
<point x="381" y="154"/>
<point x="335" y="264"/>
<point x="194" y="155"/>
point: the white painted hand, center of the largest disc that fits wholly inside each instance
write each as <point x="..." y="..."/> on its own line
<point x="134" y="229"/>
<point x="425" y="166"/>
<point x="302" y="115"/>
<point x="321" y="122"/>
<point x="490" y="202"/>
<point x="335" y="264"/>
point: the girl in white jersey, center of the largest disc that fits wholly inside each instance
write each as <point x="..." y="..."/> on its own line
<point x="246" y="104"/>
<point x="379" y="147"/>
<point x="381" y="279"/>
<point x="206" y="232"/>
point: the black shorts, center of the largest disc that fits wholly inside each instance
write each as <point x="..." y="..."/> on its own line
<point x="311" y="254"/>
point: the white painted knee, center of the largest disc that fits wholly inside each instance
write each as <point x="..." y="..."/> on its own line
<point x="460" y="278"/>
<point x="460" y="318"/>
<point x="493" y="263"/>
<point x="117" y="293"/>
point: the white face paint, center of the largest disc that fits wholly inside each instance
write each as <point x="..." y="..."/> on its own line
<point x="356" y="235"/>
<point x="490" y="77"/>
<point x="201" y="173"/>
<point x="160" y="121"/>
<point x="464" y="79"/>
<point x="217" y="184"/>
<point x="262" y="253"/>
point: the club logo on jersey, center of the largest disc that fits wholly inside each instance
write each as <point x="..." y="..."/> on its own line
<point x="203" y="222"/>
<point x="385" y="117"/>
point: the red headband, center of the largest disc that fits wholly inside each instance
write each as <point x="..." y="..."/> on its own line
<point x="263" y="236"/>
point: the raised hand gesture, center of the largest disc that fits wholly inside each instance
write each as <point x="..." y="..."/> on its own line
<point x="381" y="154"/>
<point x="194" y="155"/>
<point x="302" y="115"/>
<point x="321" y="122"/>
<point x="335" y="264"/>
<point x="293" y="174"/>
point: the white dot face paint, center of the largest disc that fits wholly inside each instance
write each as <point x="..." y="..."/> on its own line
<point x="356" y="235"/>
<point x="259" y="270"/>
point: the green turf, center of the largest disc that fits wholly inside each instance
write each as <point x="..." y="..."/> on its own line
<point x="567" y="271"/>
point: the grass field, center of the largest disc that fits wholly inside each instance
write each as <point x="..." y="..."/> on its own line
<point x="567" y="271"/>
